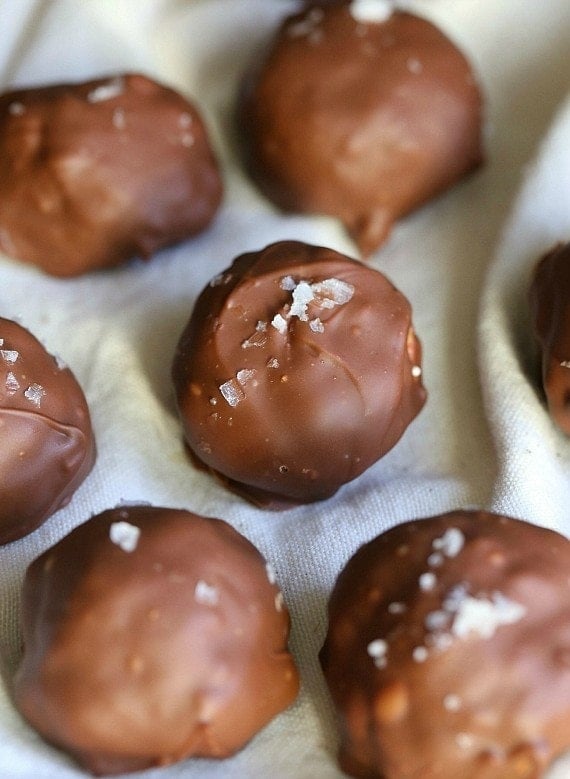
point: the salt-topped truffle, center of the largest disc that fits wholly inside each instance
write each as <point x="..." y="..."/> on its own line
<point x="152" y="635"/>
<point x="95" y="173"/>
<point x="362" y="112"/>
<point x="448" y="650"/>
<point x="299" y="368"/>
<point x="47" y="442"/>
<point x="550" y="311"/>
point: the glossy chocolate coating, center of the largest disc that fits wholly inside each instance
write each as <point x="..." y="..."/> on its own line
<point x="448" y="650"/>
<point x="550" y="311"/>
<point x="364" y="121"/>
<point x="93" y="174"/>
<point x="152" y="635"/>
<point x="286" y="407"/>
<point x="47" y="445"/>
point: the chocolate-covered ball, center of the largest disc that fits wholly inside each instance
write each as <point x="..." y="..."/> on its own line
<point x="93" y="174"/>
<point x="298" y="369"/>
<point x="152" y="635"/>
<point x="448" y="650"/>
<point x="47" y="446"/>
<point x="361" y="112"/>
<point x="550" y="311"/>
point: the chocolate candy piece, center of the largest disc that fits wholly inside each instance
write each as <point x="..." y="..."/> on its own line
<point x="550" y="310"/>
<point x="360" y="113"/>
<point x="448" y="650"/>
<point x="298" y="369"/>
<point x="152" y="635"/>
<point x="93" y="174"/>
<point x="47" y="445"/>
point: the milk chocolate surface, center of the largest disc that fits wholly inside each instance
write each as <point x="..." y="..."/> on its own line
<point x="152" y="635"/>
<point x="298" y="369"/>
<point x="47" y="446"/>
<point x="448" y="650"/>
<point x="550" y="311"/>
<point x="93" y="174"/>
<point x="360" y="116"/>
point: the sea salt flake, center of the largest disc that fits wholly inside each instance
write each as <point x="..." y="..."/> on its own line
<point x="420" y="654"/>
<point x="374" y="11"/>
<point x="35" y="393"/>
<point x="12" y="384"/>
<point x="288" y="283"/>
<point x="483" y="616"/>
<point x="60" y="362"/>
<point x="119" y="121"/>
<point x="270" y="571"/>
<point x="332" y="292"/>
<point x="377" y="650"/>
<point x="302" y="296"/>
<point x="450" y="543"/>
<point x="427" y="581"/>
<point x="273" y="362"/>
<point x="279" y="323"/>
<point x="414" y="65"/>
<point x="9" y="355"/>
<point x="316" y="325"/>
<point x="416" y="371"/>
<point x="125" y="535"/>
<point x="206" y="594"/>
<point x="232" y="392"/>
<point x="436" y="620"/>
<point x="565" y="364"/>
<point x="106" y="91"/>
<point x="244" y="376"/>
<point x="16" y="108"/>
<point x="279" y="601"/>
<point x="435" y="559"/>
<point x="452" y="702"/>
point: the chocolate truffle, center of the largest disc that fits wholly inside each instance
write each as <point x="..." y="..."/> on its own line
<point x="360" y="112"/>
<point x="448" y="650"/>
<point x="47" y="443"/>
<point x="93" y="174"/>
<point x="298" y="369"/>
<point x="152" y="635"/>
<point x="550" y="310"/>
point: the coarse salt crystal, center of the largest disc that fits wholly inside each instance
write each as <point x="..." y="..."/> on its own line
<point x="12" y="384"/>
<point x="371" y="10"/>
<point x="35" y="393"/>
<point x="206" y="594"/>
<point x="273" y="362"/>
<point x="483" y="616"/>
<point x="427" y="581"/>
<point x="244" y="376"/>
<point x="232" y="392"/>
<point x="270" y="571"/>
<point x="302" y="296"/>
<point x="9" y="355"/>
<point x="450" y="543"/>
<point x="16" y="108"/>
<point x="279" y="323"/>
<point x="124" y="535"/>
<point x="106" y="91"/>
<point x="420" y="654"/>
<point x="332" y="292"/>
<point x="288" y="283"/>
<point x="316" y="325"/>
<point x="377" y="650"/>
<point x="279" y="601"/>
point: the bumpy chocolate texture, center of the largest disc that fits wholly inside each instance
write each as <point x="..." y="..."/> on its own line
<point x="360" y="113"/>
<point x="47" y="446"/>
<point x="152" y="635"/>
<point x="96" y="173"/>
<point x="298" y="369"/>
<point x="448" y="651"/>
<point x="550" y="310"/>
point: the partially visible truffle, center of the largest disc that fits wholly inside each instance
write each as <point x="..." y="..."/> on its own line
<point x="152" y="635"/>
<point x="93" y="174"/>
<point x="448" y="650"/>
<point x="298" y="369"/>
<point x="361" y="112"/>
<point x="550" y="311"/>
<point x="47" y="445"/>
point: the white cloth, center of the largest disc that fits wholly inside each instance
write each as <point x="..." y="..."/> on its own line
<point x="483" y="439"/>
